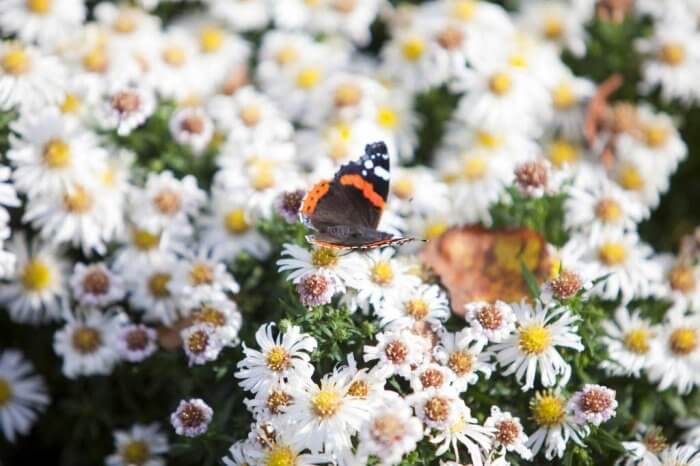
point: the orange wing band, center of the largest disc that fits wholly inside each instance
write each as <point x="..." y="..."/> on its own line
<point x="313" y="196"/>
<point x="366" y="187"/>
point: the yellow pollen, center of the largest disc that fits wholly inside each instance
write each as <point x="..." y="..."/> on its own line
<point x="167" y="201"/>
<point x="326" y="403"/>
<point x="197" y="342"/>
<point x="286" y="55"/>
<point x="145" y="240"/>
<point x="108" y="177"/>
<point x="630" y="178"/>
<point x="500" y="84"/>
<point x="263" y="179"/>
<point x="608" y="210"/>
<point x="158" y="285"/>
<point x="39" y="7"/>
<point x="561" y="153"/>
<point x="71" y="104"/>
<point x="548" y="410"/>
<point x="417" y="308"/>
<point x="324" y="257"/>
<point x="57" y="154"/>
<point x="387" y="117"/>
<point x="672" y="54"/>
<point x="563" y="97"/>
<point x="308" y="78"/>
<point x="382" y="273"/>
<point x="474" y="169"/>
<point x="347" y="94"/>
<point x="235" y="221"/>
<point x="489" y="140"/>
<point x="250" y="115"/>
<point x="637" y="340"/>
<point x="201" y="274"/>
<point x="683" y="341"/>
<point x="5" y="392"/>
<point x="655" y="136"/>
<point x="434" y="230"/>
<point x="125" y="23"/>
<point x="136" y="452"/>
<point x="461" y="362"/>
<point x="553" y="28"/>
<point x="86" y="340"/>
<point x="16" y="61"/>
<point x="612" y="253"/>
<point x="359" y="389"/>
<point x="403" y="188"/>
<point x="36" y="275"/>
<point x="518" y="60"/>
<point x="174" y="56"/>
<point x="277" y="359"/>
<point x="312" y="2"/>
<point x="96" y="60"/>
<point x="210" y="315"/>
<point x="413" y="48"/>
<point x="437" y="409"/>
<point x="210" y="39"/>
<point x="463" y="9"/>
<point x="535" y="339"/>
<point x="281" y="456"/>
<point x="77" y="200"/>
<point x="682" y="278"/>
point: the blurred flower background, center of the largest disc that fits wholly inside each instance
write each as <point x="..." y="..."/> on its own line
<point x="159" y="303"/>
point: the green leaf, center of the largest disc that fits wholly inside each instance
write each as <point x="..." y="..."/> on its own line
<point x="530" y="280"/>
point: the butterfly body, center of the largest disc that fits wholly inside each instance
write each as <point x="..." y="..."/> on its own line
<point x="344" y="212"/>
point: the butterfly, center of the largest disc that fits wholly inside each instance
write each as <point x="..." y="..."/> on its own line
<point x="345" y="211"/>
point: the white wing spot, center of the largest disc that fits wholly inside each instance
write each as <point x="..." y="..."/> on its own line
<point x="364" y="172"/>
<point x="381" y="173"/>
<point x="369" y="164"/>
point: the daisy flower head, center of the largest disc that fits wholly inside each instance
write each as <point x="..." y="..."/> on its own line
<point x="390" y="433"/>
<point x="142" y="444"/>
<point x="151" y="291"/>
<point x="533" y="178"/>
<point x="36" y="292"/>
<point x="124" y="106"/>
<point x="463" y="353"/>
<point x="136" y="342"/>
<point x="508" y="433"/>
<point x="318" y="288"/>
<point x="628" y="340"/>
<point x="43" y="22"/>
<point x="300" y="261"/>
<point x="648" y="444"/>
<point x="564" y="284"/>
<point x="23" y="395"/>
<point x="96" y="285"/>
<point x="593" y="404"/>
<point x="192" y="127"/>
<point x="422" y="304"/>
<point x="533" y="346"/>
<point x="380" y="277"/>
<point x="680" y="454"/>
<point x="269" y="405"/>
<point x="88" y="342"/>
<point x="201" y="343"/>
<point x="223" y="315"/>
<point x="191" y="418"/>
<point x="288" y="203"/>
<point x="555" y="425"/>
<point x="269" y="445"/>
<point x="202" y="277"/>
<point x="682" y="281"/>
<point x="240" y="15"/>
<point x="397" y="352"/>
<point x="431" y="375"/>
<point x="558" y="23"/>
<point x="674" y="356"/>
<point x="464" y="431"/>
<point x="495" y="321"/>
<point x="30" y="80"/>
<point x="281" y="358"/>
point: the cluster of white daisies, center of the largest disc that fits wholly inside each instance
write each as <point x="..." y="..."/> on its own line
<point x="109" y="253"/>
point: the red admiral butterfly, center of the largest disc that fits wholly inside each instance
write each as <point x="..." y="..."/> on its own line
<point x="345" y="211"/>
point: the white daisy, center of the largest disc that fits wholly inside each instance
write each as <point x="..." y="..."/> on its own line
<point x="628" y="340"/>
<point x="201" y="343"/>
<point x="124" y="106"/>
<point x="269" y="405"/>
<point x="467" y="432"/>
<point x="223" y="315"/>
<point x="136" y="342"/>
<point x="555" y="425"/>
<point x="191" y="418"/>
<point x="45" y="22"/>
<point x="422" y="304"/>
<point x="300" y="261"/>
<point x="201" y="277"/>
<point x="533" y="345"/>
<point x="593" y="404"/>
<point x="687" y="455"/>
<point x="191" y="126"/>
<point x="150" y="289"/>
<point x="88" y="342"/>
<point x="495" y="321"/>
<point x="22" y="394"/>
<point x="96" y="285"/>
<point x="674" y="356"/>
<point x="508" y="434"/>
<point x="240" y="15"/>
<point x="431" y="375"/>
<point x="275" y="446"/>
<point x="397" y="352"/>
<point x="463" y="353"/>
<point x="142" y="444"/>
<point x="316" y="289"/>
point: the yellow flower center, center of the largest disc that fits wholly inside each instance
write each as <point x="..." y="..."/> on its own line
<point x="235" y="221"/>
<point x="5" y="392"/>
<point x="637" y="340"/>
<point x="500" y="84"/>
<point x="655" y="136"/>
<point x="326" y="403"/>
<point x="382" y="273"/>
<point x="286" y="55"/>
<point x="463" y="9"/>
<point x="36" y="275"/>
<point x="39" y="7"/>
<point x="174" y="56"/>
<point x="324" y="257"/>
<point x="630" y="178"/>
<point x="145" y="240"/>
<point x="77" y="200"/>
<point x="281" y="456"/>
<point x="277" y="359"/>
<point x="535" y="339"/>
<point x="417" y="308"/>
<point x="263" y="179"/>
<point x="250" y="115"/>
<point x="413" y="48"/>
<point x="683" y="341"/>
<point x="71" y="103"/>
<point x="359" y="389"/>
<point x="16" y="61"/>
<point x="347" y="94"/>
<point x="158" y="285"/>
<point x="612" y="253"/>
<point x="86" y="340"/>
<point x="210" y="39"/>
<point x="461" y="362"/>
<point x="563" y="97"/>
<point x="437" y="409"/>
<point x="125" y="23"/>
<point x="312" y="3"/>
<point x="387" y="117"/>
<point x="561" y="153"/>
<point x="96" y="60"/>
<point x="553" y="28"/>
<point x="474" y="169"/>
<point x="608" y="210"/>
<point x="489" y="140"/>
<point x="403" y="188"/>
<point x="201" y="274"/>
<point x="57" y="154"/>
<point x="518" y="60"/>
<point x="211" y="316"/>
<point x="197" y="343"/>
<point x="434" y="230"/>
<point x="682" y="278"/>
<point x="672" y="54"/>
<point x="308" y="78"/>
<point x="548" y="410"/>
<point x="136" y="452"/>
